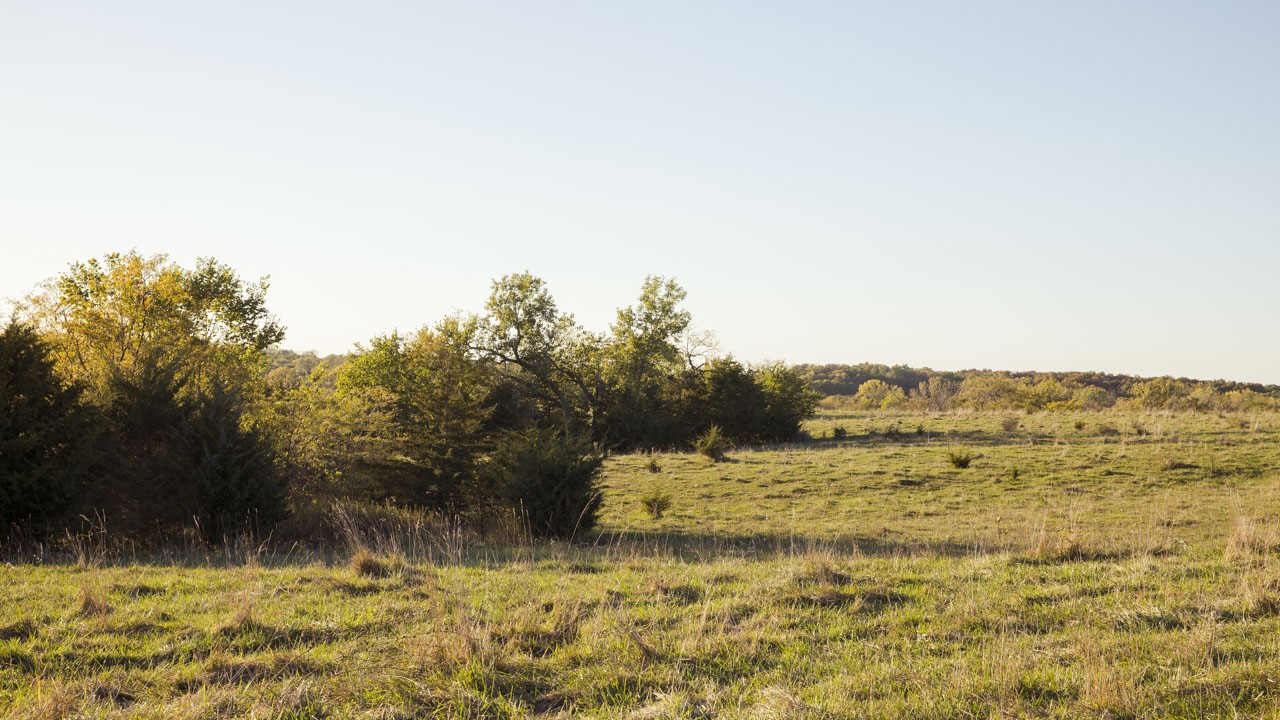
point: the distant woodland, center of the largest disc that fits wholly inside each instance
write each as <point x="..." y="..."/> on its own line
<point x="155" y="401"/>
<point x="868" y="386"/>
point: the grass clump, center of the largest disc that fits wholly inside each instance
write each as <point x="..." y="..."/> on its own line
<point x="960" y="458"/>
<point x="367" y="565"/>
<point x="92" y="603"/>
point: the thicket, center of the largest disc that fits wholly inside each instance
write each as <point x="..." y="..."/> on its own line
<point x="197" y="417"/>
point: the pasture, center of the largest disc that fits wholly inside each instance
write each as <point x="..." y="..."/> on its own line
<point x="1113" y="565"/>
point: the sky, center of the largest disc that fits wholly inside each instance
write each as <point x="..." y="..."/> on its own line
<point x="1015" y="185"/>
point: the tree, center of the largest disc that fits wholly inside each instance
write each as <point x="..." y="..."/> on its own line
<point x="935" y="394"/>
<point x="986" y="391"/>
<point x="230" y="466"/>
<point x="122" y="316"/>
<point x="46" y="433"/>
<point x="878" y="395"/>
<point x="323" y="438"/>
<point x="171" y="357"/>
<point x="643" y="355"/>
<point x="788" y="400"/>
<point x="731" y="399"/>
<point x="441" y="405"/>
<point x="1159" y="393"/>
<point x="544" y="351"/>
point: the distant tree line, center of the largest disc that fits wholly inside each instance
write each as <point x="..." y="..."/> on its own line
<point x="870" y="386"/>
<point x="156" y="396"/>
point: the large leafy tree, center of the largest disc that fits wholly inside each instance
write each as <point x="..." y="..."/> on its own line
<point x="644" y="357"/>
<point x="120" y="317"/>
<point x="172" y="357"/>
<point x="543" y="351"/>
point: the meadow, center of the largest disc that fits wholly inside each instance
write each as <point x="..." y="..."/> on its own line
<point x="948" y="565"/>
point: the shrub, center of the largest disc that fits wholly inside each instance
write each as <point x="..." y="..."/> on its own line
<point x="960" y="458"/>
<point x="712" y="444"/>
<point x="839" y="432"/>
<point x="1009" y="424"/>
<point x="550" y="476"/>
<point x="653" y="466"/>
<point x="656" y="504"/>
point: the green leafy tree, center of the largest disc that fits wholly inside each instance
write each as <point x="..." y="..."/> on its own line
<point x="543" y="352"/>
<point x="1160" y="393"/>
<point x="1048" y="393"/>
<point x="731" y="399"/>
<point x="325" y="441"/>
<point x="788" y="400"/>
<point x="120" y="317"/>
<point x="644" y="354"/>
<point x="1092" y="397"/>
<point x="440" y="396"/>
<point x="154" y="343"/>
<point x="986" y="391"/>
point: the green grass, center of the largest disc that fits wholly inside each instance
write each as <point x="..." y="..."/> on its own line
<point x="1127" y="575"/>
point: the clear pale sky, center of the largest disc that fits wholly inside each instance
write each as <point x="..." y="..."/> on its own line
<point x="1013" y="185"/>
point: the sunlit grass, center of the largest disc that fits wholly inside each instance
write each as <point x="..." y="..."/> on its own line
<point x="1067" y="572"/>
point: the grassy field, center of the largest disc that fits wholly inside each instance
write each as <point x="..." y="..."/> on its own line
<point x="1083" y="565"/>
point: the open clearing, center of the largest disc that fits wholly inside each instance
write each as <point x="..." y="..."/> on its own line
<point x="1083" y="565"/>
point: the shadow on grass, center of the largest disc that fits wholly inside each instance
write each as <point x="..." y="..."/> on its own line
<point x="705" y="546"/>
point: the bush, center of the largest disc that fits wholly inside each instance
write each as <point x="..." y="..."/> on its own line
<point x="1009" y="424"/>
<point x="550" y="476"/>
<point x="839" y="432"/>
<point x="712" y="444"/>
<point x="656" y="504"/>
<point x="960" y="458"/>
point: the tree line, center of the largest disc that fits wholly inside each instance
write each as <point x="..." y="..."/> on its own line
<point x="157" y="396"/>
<point x="870" y="386"/>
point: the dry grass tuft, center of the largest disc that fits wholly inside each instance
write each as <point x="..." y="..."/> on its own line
<point x="1250" y="543"/>
<point x="92" y="603"/>
<point x="776" y="703"/>
<point x="366" y="564"/>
